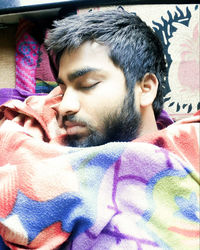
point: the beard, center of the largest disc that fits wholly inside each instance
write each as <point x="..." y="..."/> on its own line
<point x="122" y="125"/>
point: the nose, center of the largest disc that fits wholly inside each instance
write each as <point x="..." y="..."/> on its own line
<point x="70" y="104"/>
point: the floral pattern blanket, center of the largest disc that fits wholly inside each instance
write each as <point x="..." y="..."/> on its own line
<point x="142" y="194"/>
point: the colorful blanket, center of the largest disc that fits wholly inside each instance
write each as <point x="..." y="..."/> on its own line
<point x="142" y="194"/>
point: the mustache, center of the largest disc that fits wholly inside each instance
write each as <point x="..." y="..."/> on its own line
<point x="75" y="119"/>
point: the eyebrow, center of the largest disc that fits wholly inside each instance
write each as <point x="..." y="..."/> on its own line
<point x="81" y="72"/>
<point x="78" y="73"/>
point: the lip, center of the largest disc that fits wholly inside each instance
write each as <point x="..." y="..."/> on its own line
<point x="73" y="128"/>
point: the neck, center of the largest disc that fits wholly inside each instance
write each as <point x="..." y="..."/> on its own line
<point x="148" y="122"/>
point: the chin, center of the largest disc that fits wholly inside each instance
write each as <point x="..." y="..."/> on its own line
<point x="94" y="139"/>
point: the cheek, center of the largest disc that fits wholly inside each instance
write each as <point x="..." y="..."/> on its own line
<point x="99" y="112"/>
<point x="109" y="95"/>
<point x="94" y="112"/>
<point x="100" y="105"/>
<point x="104" y="100"/>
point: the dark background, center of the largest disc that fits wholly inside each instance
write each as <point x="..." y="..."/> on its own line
<point x="16" y="6"/>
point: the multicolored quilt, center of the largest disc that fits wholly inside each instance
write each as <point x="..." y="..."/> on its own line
<point x="142" y="194"/>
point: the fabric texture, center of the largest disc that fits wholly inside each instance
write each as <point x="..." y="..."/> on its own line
<point x="45" y="79"/>
<point x="142" y="194"/>
<point x="27" y="50"/>
<point x="7" y="94"/>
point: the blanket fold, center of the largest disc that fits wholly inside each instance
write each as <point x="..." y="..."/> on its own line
<point x="142" y="194"/>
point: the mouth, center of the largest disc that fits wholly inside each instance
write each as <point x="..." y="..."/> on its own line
<point x="73" y="128"/>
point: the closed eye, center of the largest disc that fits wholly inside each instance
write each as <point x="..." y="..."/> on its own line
<point x="89" y="87"/>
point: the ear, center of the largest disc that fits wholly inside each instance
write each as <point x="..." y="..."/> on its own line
<point x="148" y="88"/>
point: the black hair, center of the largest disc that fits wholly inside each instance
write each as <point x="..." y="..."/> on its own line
<point x="133" y="46"/>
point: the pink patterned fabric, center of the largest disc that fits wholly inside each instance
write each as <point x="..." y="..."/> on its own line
<point x="45" y="79"/>
<point x="27" y="50"/>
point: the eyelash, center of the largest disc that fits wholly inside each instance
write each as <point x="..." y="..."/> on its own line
<point x="89" y="87"/>
<point x="81" y="87"/>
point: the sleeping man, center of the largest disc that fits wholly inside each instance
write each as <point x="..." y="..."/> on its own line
<point x="111" y="73"/>
<point x="86" y="167"/>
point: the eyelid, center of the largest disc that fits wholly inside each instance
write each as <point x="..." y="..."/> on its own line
<point x="90" y="86"/>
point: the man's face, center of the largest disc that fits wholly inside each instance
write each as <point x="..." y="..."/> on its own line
<point x="95" y="108"/>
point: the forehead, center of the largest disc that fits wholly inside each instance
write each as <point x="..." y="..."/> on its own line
<point x="89" y="54"/>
